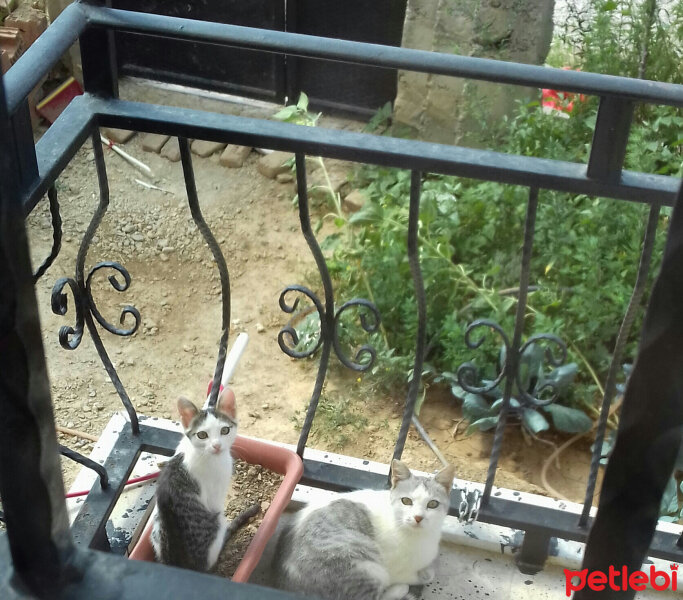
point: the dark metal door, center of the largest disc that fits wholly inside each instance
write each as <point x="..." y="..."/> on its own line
<point x="202" y="65"/>
<point x="334" y="87"/>
<point x="341" y="87"/>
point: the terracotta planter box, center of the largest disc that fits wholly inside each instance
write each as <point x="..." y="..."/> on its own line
<point x="271" y="457"/>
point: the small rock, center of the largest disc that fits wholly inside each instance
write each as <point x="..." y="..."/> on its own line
<point x="203" y="148"/>
<point x="284" y="178"/>
<point x="272" y="164"/>
<point x="265" y="505"/>
<point x="260" y="328"/>
<point x="92" y="393"/>
<point x="130" y="228"/>
<point x="354" y="201"/>
<point x="119" y="136"/>
<point x="171" y="151"/>
<point x="154" y="142"/>
<point x="234" y="156"/>
<point x="138" y="237"/>
<point x="265" y="406"/>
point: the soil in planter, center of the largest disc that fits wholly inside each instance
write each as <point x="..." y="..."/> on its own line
<point x="251" y="484"/>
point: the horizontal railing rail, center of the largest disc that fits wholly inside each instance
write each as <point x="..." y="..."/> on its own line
<point x="62" y="140"/>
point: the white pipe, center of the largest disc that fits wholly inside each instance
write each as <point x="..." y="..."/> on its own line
<point x="231" y="361"/>
<point x="127" y="157"/>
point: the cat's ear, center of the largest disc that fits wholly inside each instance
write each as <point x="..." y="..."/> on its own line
<point x="187" y="410"/>
<point x="399" y="472"/>
<point x="226" y="403"/>
<point x="445" y="477"/>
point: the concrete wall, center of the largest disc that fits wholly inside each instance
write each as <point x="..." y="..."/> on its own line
<point x="451" y="110"/>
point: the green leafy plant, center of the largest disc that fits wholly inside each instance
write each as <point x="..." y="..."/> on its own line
<point x="482" y="410"/>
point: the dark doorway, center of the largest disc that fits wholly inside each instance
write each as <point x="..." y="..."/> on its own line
<point x="332" y="87"/>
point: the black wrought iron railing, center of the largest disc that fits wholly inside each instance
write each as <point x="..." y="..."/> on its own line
<point x="49" y="557"/>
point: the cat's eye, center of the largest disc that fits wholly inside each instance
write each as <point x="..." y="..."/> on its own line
<point x="432" y="504"/>
<point x="225" y="430"/>
<point x="407" y="501"/>
<point x="202" y="435"/>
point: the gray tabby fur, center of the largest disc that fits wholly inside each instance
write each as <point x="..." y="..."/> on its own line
<point x="189" y="527"/>
<point x="366" y="545"/>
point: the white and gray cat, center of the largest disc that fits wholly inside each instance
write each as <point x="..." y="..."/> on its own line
<point x="189" y="528"/>
<point x="366" y="545"/>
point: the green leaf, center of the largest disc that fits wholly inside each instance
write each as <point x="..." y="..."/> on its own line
<point x="484" y="424"/>
<point x="563" y="376"/>
<point x="330" y="242"/>
<point x="457" y="391"/>
<point x="302" y="104"/>
<point x="370" y="213"/>
<point x="286" y="113"/>
<point x="569" y="420"/>
<point x="339" y="222"/>
<point x="474" y="407"/>
<point x="669" y="503"/>
<point x="670" y="519"/>
<point x="534" y="421"/>
<point x="531" y="366"/>
<point x="498" y="404"/>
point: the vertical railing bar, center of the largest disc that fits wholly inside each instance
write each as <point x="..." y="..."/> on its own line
<point x="512" y="354"/>
<point x="610" y="138"/>
<point x="418" y="283"/>
<point x="327" y="318"/>
<point x="24" y="145"/>
<point x="95" y="221"/>
<point x="195" y="210"/>
<point x="56" y="219"/>
<point x="650" y="424"/>
<point x="31" y="481"/>
<point x="622" y="338"/>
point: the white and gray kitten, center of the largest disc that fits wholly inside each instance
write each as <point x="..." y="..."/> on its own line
<point x="189" y="526"/>
<point x="367" y="545"/>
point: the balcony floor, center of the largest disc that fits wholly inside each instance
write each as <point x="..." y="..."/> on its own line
<point x="476" y="560"/>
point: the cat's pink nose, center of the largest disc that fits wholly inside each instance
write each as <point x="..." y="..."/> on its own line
<point x="418" y="518"/>
<point x="216" y="445"/>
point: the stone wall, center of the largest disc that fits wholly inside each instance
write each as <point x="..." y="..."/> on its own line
<point x="452" y="110"/>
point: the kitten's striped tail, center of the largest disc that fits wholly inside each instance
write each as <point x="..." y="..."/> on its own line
<point x="241" y="520"/>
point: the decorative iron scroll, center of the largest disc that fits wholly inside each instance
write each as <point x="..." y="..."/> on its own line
<point x="467" y="373"/>
<point x="86" y="310"/>
<point x="369" y="319"/>
<point x="87" y="313"/>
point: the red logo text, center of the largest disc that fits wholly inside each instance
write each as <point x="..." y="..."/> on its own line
<point x="621" y="579"/>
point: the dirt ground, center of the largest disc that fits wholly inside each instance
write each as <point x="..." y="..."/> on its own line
<point x="175" y="287"/>
<point x="251" y="484"/>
